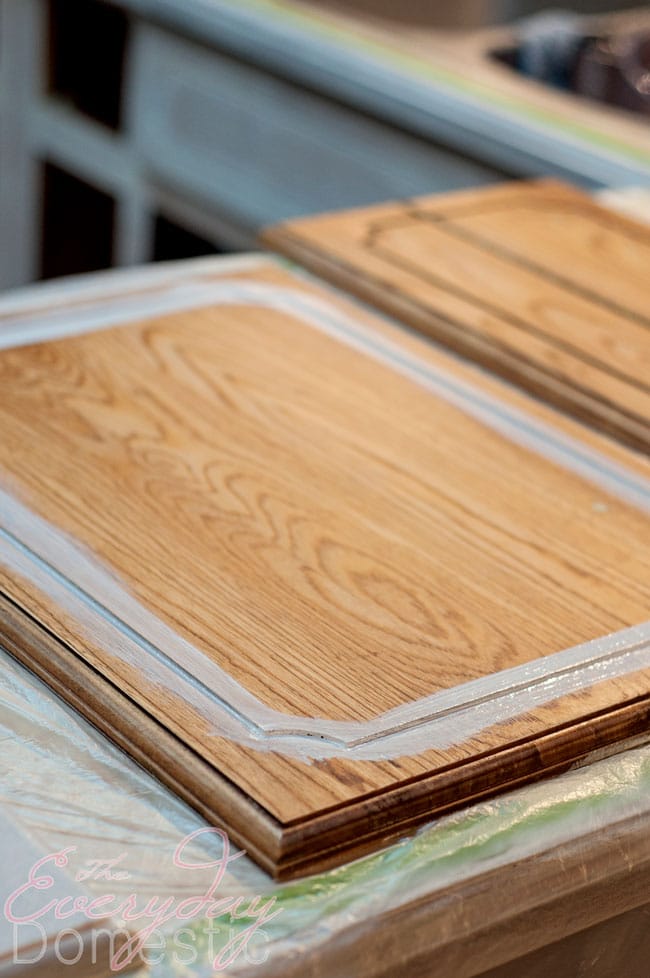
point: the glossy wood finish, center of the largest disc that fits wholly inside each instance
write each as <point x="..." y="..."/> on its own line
<point x="533" y="280"/>
<point x="460" y="918"/>
<point x="331" y="534"/>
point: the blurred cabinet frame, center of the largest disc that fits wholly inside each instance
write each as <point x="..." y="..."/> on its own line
<point x="218" y="144"/>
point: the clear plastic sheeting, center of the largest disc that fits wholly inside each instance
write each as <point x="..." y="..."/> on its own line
<point x="201" y="909"/>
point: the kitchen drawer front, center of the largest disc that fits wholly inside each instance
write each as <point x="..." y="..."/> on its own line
<point x="265" y="149"/>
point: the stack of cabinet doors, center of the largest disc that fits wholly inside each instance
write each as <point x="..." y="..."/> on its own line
<point x="328" y="572"/>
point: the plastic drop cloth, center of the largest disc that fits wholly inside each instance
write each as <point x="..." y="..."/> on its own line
<point x="67" y="785"/>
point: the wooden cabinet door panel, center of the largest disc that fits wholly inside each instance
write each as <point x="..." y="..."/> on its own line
<point x="322" y="578"/>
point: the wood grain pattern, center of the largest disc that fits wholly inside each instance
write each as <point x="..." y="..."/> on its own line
<point x="454" y="928"/>
<point x="329" y="533"/>
<point x="533" y="280"/>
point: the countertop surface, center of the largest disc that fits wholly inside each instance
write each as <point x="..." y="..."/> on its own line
<point x="439" y="84"/>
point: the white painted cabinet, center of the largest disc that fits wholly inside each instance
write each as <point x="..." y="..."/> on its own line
<point x="215" y="144"/>
<point x="263" y="148"/>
